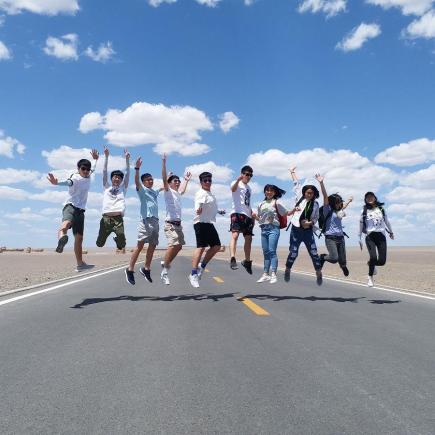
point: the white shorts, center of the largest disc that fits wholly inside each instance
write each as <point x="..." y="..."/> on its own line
<point x="148" y="231"/>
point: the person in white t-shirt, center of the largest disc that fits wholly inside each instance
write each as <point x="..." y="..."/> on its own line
<point x="206" y="235"/>
<point x="241" y="217"/>
<point x="73" y="213"/>
<point x="112" y="220"/>
<point x="173" y="229"/>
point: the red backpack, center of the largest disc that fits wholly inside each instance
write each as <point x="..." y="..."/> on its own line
<point x="282" y="218"/>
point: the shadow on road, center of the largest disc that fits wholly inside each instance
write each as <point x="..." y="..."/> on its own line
<point x="317" y="298"/>
<point x="170" y="298"/>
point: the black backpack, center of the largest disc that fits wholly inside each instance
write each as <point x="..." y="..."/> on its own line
<point x="364" y="217"/>
<point x="323" y="219"/>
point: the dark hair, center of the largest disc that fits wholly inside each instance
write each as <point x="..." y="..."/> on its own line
<point x="146" y="175"/>
<point x="335" y="199"/>
<point x="205" y="175"/>
<point x="173" y="177"/>
<point x="310" y="187"/>
<point x="118" y="173"/>
<point x="246" y="168"/>
<point x="377" y="203"/>
<point x="84" y="162"/>
<point x="278" y="192"/>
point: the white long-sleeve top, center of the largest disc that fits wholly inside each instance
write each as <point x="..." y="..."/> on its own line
<point x="295" y="220"/>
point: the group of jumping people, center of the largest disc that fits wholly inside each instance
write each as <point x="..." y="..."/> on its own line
<point x="307" y="219"/>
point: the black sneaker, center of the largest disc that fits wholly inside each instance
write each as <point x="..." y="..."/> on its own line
<point x="129" y="276"/>
<point x="233" y="263"/>
<point x="287" y="274"/>
<point x="146" y="274"/>
<point x="345" y="270"/>
<point x="322" y="260"/>
<point x="61" y="243"/>
<point x="248" y="266"/>
<point x="319" y="279"/>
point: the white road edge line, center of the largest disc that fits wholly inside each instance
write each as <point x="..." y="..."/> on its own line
<point x="49" y="289"/>
<point x="360" y="284"/>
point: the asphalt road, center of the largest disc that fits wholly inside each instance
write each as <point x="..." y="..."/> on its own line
<point x="103" y="357"/>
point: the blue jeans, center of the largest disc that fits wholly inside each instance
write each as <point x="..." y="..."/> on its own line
<point x="297" y="236"/>
<point x="269" y="242"/>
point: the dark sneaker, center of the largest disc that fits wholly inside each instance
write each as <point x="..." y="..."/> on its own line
<point x="319" y="279"/>
<point x="287" y="274"/>
<point x="233" y="263"/>
<point x="345" y="271"/>
<point x="248" y="266"/>
<point x="322" y="260"/>
<point x="84" y="266"/>
<point x="146" y="274"/>
<point x="61" y="243"/>
<point x="129" y="275"/>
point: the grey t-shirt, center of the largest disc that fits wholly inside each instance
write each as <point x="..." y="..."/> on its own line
<point x="333" y="225"/>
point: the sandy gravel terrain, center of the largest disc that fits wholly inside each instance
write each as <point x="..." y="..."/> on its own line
<point x="410" y="268"/>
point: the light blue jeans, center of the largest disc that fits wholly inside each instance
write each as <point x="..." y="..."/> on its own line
<point x="269" y="241"/>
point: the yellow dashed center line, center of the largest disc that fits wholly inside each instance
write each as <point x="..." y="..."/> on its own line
<point x="206" y="270"/>
<point x="218" y="280"/>
<point x="254" y="307"/>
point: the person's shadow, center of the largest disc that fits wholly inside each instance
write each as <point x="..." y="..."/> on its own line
<point x="318" y="299"/>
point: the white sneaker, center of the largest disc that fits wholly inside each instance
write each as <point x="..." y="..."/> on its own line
<point x="165" y="278"/>
<point x="370" y="282"/>
<point x="194" y="280"/>
<point x="200" y="272"/>
<point x="263" y="278"/>
<point x="375" y="271"/>
<point x="273" y="278"/>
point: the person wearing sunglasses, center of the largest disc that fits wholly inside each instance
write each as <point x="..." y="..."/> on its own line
<point x="206" y="235"/>
<point x="241" y="218"/>
<point x="73" y="213"/>
<point x="173" y="228"/>
<point x="112" y="220"/>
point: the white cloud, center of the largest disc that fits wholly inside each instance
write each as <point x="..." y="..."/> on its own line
<point x="358" y="36"/>
<point x="53" y="195"/>
<point x="104" y="53"/>
<point x="424" y="27"/>
<point x="15" y="176"/>
<point x="157" y="3"/>
<point x="220" y="173"/>
<point x="410" y="153"/>
<point x="170" y="129"/>
<point x="64" y="48"/>
<point x="42" y="7"/>
<point x="421" y="179"/>
<point x="9" y="145"/>
<point x="407" y="7"/>
<point x="329" y="7"/>
<point x="26" y="214"/>
<point x="65" y="158"/>
<point x="209" y="3"/>
<point x="228" y="120"/>
<point x="7" y="192"/>
<point x="345" y="171"/>
<point x="5" y="53"/>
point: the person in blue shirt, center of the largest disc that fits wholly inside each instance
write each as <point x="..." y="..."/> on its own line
<point x="148" y="229"/>
<point x="333" y="213"/>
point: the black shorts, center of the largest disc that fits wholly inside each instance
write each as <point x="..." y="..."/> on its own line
<point x="240" y="223"/>
<point x="206" y="235"/>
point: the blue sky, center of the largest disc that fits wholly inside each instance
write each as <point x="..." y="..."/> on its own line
<point x="341" y="87"/>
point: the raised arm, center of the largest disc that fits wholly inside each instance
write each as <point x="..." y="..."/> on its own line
<point x="297" y="188"/>
<point x="320" y="179"/>
<point x="106" y="162"/>
<point x="136" y="173"/>
<point x="347" y="202"/>
<point x="235" y="185"/>
<point x="127" y="168"/>
<point x="95" y="154"/>
<point x="187" y="177"/>
<point x="164" y="173"/>
<point x="53" y="180"/>
<point x="293" y="174"/>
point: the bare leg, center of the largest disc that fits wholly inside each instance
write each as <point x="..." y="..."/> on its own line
<point x="171" y="253"/>
<point x="212" y="251"/>
<point x="135" y="255"/>
<point x="66" y="225"/>
<point x="197" y="254"/>
<point x="233" y="243"/>
<point x="247" y="247"/>
<point x="149" y="256"/>
<point x="78" y="242"/>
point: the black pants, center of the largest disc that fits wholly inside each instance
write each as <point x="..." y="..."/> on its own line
<point x="377" y="247"/>
<point x="336" y="250"/>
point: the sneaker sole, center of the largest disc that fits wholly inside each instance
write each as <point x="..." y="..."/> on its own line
<point x="126" y="278"/>
<point x="61" y="244"/>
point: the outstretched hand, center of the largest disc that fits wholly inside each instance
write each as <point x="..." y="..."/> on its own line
<point x="52" y="179"/>
<point x="138" y="162"/>
<point x="319" y="178"/>
<point x="187" y="176"/>
<point x="126" y="154"/>
<point x="95" y="154"/>
<point x="292" y="169"/>
<point x="106" y="151"/>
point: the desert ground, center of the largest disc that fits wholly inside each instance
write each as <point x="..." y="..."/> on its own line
<point x="410" y="268"/>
